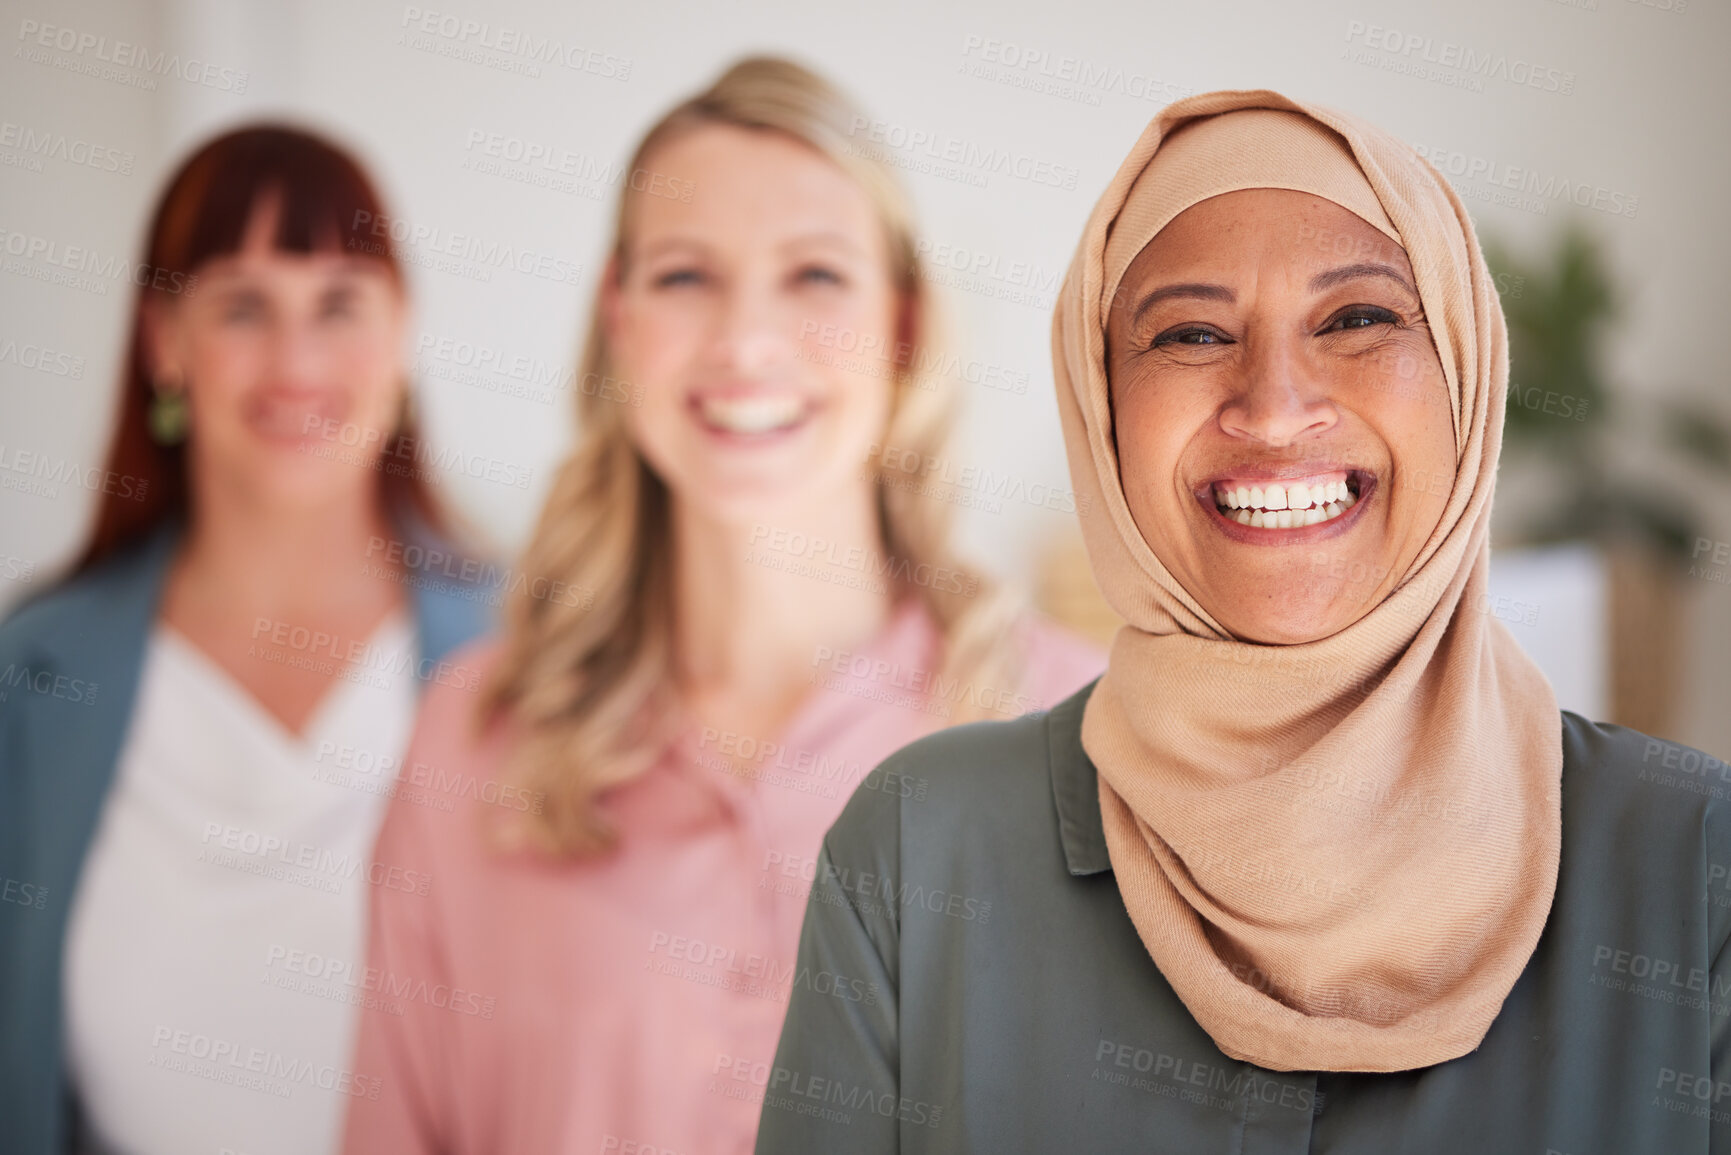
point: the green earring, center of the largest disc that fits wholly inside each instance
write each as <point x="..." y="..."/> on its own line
<point x="169" y="416"/>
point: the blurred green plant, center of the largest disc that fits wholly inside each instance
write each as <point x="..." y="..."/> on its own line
<point x="1562" y="409"/>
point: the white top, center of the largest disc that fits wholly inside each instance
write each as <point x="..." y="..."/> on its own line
<point x="214" y="962"/>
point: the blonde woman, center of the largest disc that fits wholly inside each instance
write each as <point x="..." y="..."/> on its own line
<point x="751" y="620"/>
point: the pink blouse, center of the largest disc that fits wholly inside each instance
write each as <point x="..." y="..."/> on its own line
<point x="629" y="1003"/>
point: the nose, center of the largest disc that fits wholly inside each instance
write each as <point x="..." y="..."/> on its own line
<point x="298" y="354"/>
<point x="1278" y="401"/>
<point x="750" y="332"/>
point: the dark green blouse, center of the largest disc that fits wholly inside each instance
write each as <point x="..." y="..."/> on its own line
<point x="1014" y="1009"/>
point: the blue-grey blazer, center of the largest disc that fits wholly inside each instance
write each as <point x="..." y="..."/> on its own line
<point x="69" y="671"/>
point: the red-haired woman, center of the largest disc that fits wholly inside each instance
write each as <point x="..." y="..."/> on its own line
<point x="199" y="727"/>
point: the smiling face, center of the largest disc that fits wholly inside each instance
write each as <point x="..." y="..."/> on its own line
<point x="732" y="310"/>
<point x="283" y="355"/>
<point x="1282" y="420"/>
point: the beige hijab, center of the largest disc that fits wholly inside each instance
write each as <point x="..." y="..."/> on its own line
<point x="1341" y="854"/>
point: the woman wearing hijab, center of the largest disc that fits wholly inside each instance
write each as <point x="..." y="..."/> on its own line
<point x="611" y="942"/>
<point x="1317" y="864"/>
<point x="189" y="783"/>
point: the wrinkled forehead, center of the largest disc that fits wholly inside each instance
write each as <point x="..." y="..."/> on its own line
<point x="1247" y="149"/>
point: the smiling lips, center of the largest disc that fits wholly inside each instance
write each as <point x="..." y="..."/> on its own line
<point x="1291" y="504"/>
<point x="291" y="416"/>
<point x="752" y="414"/>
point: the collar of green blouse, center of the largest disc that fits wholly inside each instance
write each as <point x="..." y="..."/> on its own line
<point x="1076" y="787"/>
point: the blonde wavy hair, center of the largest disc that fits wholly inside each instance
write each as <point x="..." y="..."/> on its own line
<point x="589" y="687"/>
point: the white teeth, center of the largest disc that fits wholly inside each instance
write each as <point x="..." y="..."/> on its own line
<point x="757" y="414"/>
<point x="1291" y="506"/>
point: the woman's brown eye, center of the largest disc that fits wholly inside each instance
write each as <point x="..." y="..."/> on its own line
<point x="339" y="304"/>
<point x="1362" y="318"/>
<point x="242" y="308"/>
<point x="818" y="275"/>
<point x="1191" y="336"/>
<point x="677" y="277"/>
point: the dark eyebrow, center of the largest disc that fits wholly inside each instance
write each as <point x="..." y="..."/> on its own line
<point x="1352" y="272"/>
<point x="1195" y="290"/>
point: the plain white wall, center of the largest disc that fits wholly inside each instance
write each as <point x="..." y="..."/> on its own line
<point x="1645" y="117"/>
